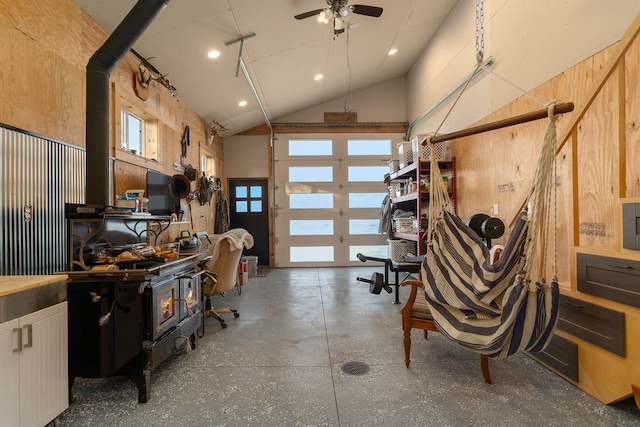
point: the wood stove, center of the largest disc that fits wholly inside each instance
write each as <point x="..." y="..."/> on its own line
<point x="127" y="321"/>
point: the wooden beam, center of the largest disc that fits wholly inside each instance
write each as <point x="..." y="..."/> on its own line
<point x="383" y="127"/>
<point x="511" y="121"/>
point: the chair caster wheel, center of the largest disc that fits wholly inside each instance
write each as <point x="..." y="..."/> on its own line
<point x="223" y="324"/>
<point x="236" y="315"/>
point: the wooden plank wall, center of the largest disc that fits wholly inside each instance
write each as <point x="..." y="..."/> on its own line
<point x="594" y="172"/>
<point x="46" y="46"/>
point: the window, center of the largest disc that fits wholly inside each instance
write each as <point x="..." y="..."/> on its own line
<point x="311" y="201"/>
<point x="321" y="147"/>
<point x="311" y="174"/>
<point x="208" y="165"/>
<point x="311" y="254"/>
<point x="366" y="200"/>
<point x="367" y="173"/>
<point x="369" y="147"/>
<point x="248" y="199"/>
<point x="138" y="131"/>
<point x="311" y="227"/>
<point x="132" y="133"/>
<point x="364" y="226"/>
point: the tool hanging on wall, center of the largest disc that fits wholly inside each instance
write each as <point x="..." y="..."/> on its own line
<point x="142" y="80"/>
<point x="184" y="142"/>
<point x="156" y="75"/>
<point x="206" y="187"/>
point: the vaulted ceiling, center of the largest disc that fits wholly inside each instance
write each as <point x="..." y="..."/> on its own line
<point x="282" y="58"/>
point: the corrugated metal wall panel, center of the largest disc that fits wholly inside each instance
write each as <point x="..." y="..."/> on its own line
<point x="37" y="176"/>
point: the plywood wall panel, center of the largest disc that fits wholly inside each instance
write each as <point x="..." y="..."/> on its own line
<point x="41" y="92"/>
<point x="632" y="125"/>
<point x="497" y="167"/>
<point x="56" y="29"/>
<point x="597" y="178"/>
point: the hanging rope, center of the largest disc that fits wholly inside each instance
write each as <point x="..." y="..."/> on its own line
<point x="540" y="200"/>
<point x="455" y="102"/>
<point x="518" y="88"/>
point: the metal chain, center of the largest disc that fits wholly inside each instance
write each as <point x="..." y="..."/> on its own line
<point x="479" y="30"/>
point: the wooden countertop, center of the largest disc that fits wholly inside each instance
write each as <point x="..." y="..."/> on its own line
<point x="13" y="284"/>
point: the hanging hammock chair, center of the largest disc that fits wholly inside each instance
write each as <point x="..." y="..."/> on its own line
<point x="494" y="309"/>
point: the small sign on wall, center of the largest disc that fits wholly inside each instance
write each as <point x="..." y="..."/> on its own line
<point x="345" y="117"/>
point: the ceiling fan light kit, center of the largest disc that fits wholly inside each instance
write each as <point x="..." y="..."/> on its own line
<point x="325" y="16"/>
<point x="341" y="13"/>
<point x="346" y="13"/>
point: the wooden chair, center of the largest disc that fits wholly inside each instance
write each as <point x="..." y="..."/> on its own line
<point x="416" y="314"/>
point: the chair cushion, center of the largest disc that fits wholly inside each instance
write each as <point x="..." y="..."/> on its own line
<point x="420" y="309"/>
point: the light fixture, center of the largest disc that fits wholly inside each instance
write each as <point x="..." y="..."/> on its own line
<point x="326" y="15"/>
<point x="242" y="103"/>
<point x="346" y="13"/>
<point x="318" y="77"/>
<point x="340" y="17"/>
<point x="393" y="51"/>
<point x="213" y="54"/>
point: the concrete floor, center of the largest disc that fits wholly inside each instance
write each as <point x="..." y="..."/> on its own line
<point x="280" y="364"/>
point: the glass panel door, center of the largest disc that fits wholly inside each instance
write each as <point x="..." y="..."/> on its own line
<point x="329" y="189"/>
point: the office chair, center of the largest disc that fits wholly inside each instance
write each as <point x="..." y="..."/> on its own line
<point x="222" y="268"/>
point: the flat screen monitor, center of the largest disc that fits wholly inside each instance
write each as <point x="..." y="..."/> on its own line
<point x="162" y="197"/>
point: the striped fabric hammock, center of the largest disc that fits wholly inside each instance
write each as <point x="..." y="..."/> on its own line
<point x="494" y="309"/>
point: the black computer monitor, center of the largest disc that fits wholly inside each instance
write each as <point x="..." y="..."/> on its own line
<point x="163" y="199"/>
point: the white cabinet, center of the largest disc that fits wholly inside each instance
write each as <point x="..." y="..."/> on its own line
<point x="34" y="388"/>
<point x="10" y="362"/>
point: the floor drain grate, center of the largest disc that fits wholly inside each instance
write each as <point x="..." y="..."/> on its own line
<point x="355" y="368"/>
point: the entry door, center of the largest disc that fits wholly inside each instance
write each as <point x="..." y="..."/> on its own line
<point x="248" y="209"/>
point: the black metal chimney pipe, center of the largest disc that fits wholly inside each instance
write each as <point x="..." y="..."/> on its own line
<point x="99" y="68"/>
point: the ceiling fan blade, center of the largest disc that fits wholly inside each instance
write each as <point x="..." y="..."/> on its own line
<point x="367" y="10"/>
<point x="308" y="14"/>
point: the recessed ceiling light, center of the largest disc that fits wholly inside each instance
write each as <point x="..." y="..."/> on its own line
<point x="393" y="51"/>
<point x="242" y="103"/>
<point x="318" y="77"/>
<point x="213" y="54"/>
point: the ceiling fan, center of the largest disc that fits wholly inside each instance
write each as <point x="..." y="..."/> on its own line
<point x="341" y="13"/>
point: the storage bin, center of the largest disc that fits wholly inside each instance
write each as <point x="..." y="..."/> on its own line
<point x="394" y="165"/>
<point x="405" y="154"/>
<point x="405" y="225"/>
<point x="399" y="248"/>
<point x="252" y="265"/>
<point x="423" y="152"/>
